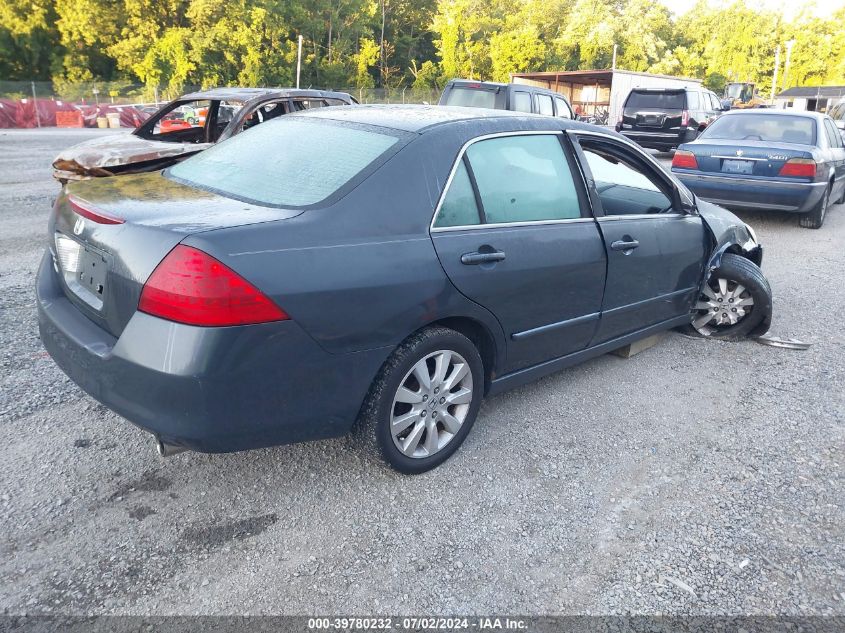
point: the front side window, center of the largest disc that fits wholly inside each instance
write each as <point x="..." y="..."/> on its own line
<point x="518" y="179"/>
<point x="624" y="186"/>
<point x="544" y="105"/>
<point x="287" y="162"/>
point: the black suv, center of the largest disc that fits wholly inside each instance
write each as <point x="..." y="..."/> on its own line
<point x="663" y="118"/>
<point x="518" y="97"/>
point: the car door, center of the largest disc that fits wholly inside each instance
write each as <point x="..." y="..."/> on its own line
<point x="514" y="234"/>
<point x="836" y="151"/>
<point x="656" y="252"/>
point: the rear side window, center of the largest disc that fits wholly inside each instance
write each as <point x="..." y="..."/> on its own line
<point x="288" y="162"/>
<point x="834" y="138"/>
<point x="544" y="105"/>
<point x="775" y="128"/>
<point x="459" y="208"/>
<point x="522" y="101"/>
<point x="641" y="99"/>
<point x="693" y="101"/>
<point x="523" y="179"/>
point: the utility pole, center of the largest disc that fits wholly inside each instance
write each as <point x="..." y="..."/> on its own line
<point x="381" y="45"/>
<point x="775" y="73"/>
<point x="613" y="65"/>
<point x="789" y="46"/>
<point x="298" y="59"/>
<point x="35" y="105"/>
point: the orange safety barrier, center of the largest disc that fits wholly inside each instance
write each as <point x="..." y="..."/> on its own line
<point x="69" y="119"/>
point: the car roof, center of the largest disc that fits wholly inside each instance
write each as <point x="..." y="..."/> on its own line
<point x="248" y="94"/>
<point x="411" y="118"/>
<point x="498" y="84"/>
<point x="667" y="89"/>
<point x="419" y="118"/>
<point x="477" y="82"/>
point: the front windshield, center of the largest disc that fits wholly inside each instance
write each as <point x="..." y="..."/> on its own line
<point x="773" y="128"/>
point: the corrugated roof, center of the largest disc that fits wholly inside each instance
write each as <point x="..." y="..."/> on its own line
<point x="812" y="92"/>
<point x="592" y="76"/>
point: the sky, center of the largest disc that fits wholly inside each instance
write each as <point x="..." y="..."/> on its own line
<point x="788" y="7"/>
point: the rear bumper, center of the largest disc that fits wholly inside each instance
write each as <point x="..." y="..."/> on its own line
<point x="207" y="389"/>
<point x="660" y="140"/>
<point x="754" y="193"/>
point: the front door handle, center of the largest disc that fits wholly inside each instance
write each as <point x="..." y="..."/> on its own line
<point x="624" y="245"/>
<point x="481" y="258"/>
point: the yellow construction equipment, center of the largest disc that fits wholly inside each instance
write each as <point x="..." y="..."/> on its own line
<point x="743" y="95"/>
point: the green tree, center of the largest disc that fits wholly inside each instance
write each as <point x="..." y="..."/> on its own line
<point x="28" y="39"/>
<point x="365" y="59"/>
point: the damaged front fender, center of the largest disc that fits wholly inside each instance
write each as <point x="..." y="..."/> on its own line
<point x="731" y="235"/>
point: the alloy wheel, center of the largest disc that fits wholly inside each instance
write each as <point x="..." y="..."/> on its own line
<point x="431" y="404"/>
<point x="723" y="303"/>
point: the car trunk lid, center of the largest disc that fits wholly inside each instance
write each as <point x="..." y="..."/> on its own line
<point x="745" y="158"/>
<point x="108" y="235"/>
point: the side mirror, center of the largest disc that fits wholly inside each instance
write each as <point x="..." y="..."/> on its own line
<point x="726" y="105"/>
<point x="687" y="201"/>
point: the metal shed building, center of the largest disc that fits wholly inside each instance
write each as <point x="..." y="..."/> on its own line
<point x="813" y="98"/>
<point x="596" y="92"/>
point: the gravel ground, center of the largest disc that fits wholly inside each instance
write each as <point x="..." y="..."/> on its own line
<point x="698" y="477"/>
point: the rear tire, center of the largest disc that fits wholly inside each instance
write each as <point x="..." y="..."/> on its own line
<point x="815" y="218"/>
<point x="419" y="423"/>
<point x="737" y="299"/>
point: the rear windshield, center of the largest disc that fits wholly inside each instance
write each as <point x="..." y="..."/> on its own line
<point x="763" y="127"/>
<point x="288" y="162"/>
<point x="659" y="100"/>
<point x="470" y="97"/>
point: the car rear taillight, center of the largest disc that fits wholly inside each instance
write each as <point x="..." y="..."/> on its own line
<point x="190" y="286"/>
<point x="799" y="168"/>
<point x="685" y="118"/>
<point x="684" y="160"/>
<point x="87" y="210"/>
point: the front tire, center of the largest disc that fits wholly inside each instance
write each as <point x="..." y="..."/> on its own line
<point x="425" y="399"/>
<point x="815" y="218"/>
<point x="735" y="301"/>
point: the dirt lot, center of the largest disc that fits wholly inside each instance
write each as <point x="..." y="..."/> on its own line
<point x="697" y="477"/>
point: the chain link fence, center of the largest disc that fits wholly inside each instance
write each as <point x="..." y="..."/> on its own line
<point x="125" y="93"/>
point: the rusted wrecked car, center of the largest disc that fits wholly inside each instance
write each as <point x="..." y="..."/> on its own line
<point x="184" y="127"/>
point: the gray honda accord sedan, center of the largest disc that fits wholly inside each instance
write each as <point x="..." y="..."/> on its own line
<point x="383" y="266"/>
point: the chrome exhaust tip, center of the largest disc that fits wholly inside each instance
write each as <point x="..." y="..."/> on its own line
<point x="166" y="450"/>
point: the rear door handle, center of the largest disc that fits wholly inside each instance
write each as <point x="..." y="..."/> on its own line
<point x="481" y="258"/>
<point x="622" y="245"/>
